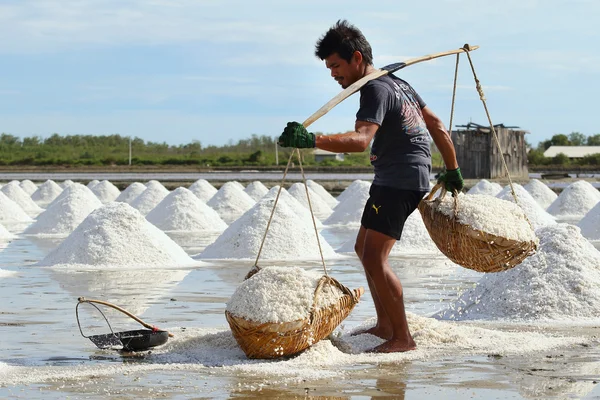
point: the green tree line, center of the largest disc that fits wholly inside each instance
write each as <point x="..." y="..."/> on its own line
<point x="536" y="157"/>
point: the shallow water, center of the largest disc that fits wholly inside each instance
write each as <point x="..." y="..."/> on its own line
<point x="43" y="353"/>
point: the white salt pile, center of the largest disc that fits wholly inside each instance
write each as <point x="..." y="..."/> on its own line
<point x="575" y="201"/>
<point x="256" y="190"/>
<point x="541" y="193"/>
<point x="349" y="191"/>
<point x="590" y="224"/>
<point x="155" y="192"/>
<point x="321" y="191"/>
<point x="485" y="187"/>
<point x="5" y="234"/>
<point x="66" y="183"/>
<point x="117" y="235"/>
<point x="238" y="184"/>
<point x="230" y="202"/>
<point x="182" y="211"/>
<point x="11" y="212"/>
<point x="28" y="186"/>
<point x="46" y="193"/>
<point x="291" y="202"/>
<point x="203" y="190"/>
<point x="131" y="192"/>
<point x="319" y="206"/>
<point x="280" y="294"/>
<point x="14" y="192"/>
<point x="290" y="237"/>
<point x="93" y="183"/>
<point x="106" y="191"/>
<point x="489" y="214"/>
<point x="536" y="214"/>
<point x="561" y="281"/>
<point x="65" y="213"/>
<point x="350" y="211"/>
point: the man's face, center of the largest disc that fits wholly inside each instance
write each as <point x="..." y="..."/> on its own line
<point x="344" y="72"/>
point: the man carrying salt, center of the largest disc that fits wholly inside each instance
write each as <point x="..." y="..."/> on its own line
<point x="394" y="115"/>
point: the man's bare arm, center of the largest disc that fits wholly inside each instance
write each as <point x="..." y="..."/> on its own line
<point x="355" y="141"/>
<point x="441" y="137"/>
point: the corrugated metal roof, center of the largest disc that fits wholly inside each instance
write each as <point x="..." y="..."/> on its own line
<point x="572" y="151"/>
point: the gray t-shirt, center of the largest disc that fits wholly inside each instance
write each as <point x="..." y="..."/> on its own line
<point x="400" y="153"/>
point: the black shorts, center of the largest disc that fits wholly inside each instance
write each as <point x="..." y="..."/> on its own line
<point x="388" y="208"/>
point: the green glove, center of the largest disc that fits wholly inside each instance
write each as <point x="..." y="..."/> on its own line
<point x="296" y="135"/>
<point x="452" y="180"/>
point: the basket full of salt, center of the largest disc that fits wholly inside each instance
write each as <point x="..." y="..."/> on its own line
<point x="280" y="311"/>
<point x="479" y="232"/>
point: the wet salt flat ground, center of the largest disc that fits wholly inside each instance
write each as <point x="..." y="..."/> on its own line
<point x="43" y="354"/>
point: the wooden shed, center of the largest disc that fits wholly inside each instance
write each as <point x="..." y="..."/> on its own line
<point x="478" y="155"/>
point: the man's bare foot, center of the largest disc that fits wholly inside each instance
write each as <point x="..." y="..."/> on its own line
<point x="376" y="331"/>
<point x="394" y="346"/>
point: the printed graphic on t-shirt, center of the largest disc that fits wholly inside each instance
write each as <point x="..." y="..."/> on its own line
<point x="413" y="123"/>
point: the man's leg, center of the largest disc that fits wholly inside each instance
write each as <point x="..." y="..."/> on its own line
<point x="388" y="289"/>
<point x="383" y="327"/>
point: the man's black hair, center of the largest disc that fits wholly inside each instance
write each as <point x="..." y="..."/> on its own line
<point x="344" y="38"/>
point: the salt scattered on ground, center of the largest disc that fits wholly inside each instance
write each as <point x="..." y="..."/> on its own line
<point x="11" y="212"/>
<point x="290" y="237"/>
<point x="131" y="192"/>
<point x="280" y="294"/>
<point x="14" y="192"/>
<point x="256" y="190"/>
<point x="230" y="202"/>
<point x="575" y="201"/>
<point x="560" y="282"/>
<point x="489" y="214"/>
<point x="485" y="187"/>
<point x="319" y="206"/>
<point x="117" y="235"/>
<point x="106" y="191"/>
<point x="203" y="190"/>
<point x="28" y="186"/>
<point x="65" y="213"/>
<point x="182" y="211"/>
<point x="541" y="193"/>
<point x="590" y="224"/>
<point x="46" y="193"/>
<point x="291" y="202"/>
<point x="536" y="214"/>
<point x="349" y="191"/>
<point x="321" y="191"/>
<point x="93" y="183"/>
<point x="155" y="192"/>
<point x="349" y="212"/>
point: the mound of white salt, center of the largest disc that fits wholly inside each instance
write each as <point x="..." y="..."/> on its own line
<point x="106" y="191"/>
<point x="46" y="193"/>
<point x="560" y="281"/>
<point x="5" y="234"/>
<point x="11" y="212"/>
<point x="489" y="214"/>
<point x="349" y="191"/>
<point x="541" y="193"/>
<point x="575" y="201"/>
<point x="289" y="238"/>
<point x="238" y="184"/>
<point x="291" y="202"/>
<point x="280" y="294"/>
<point x="203" y="190"/>
<point x="485" y="187"/>
<point x="131" y="192"/>
<point x="93" y="183"/>
<point x="536" y="214"/>
<point x="230" y="202"/>
<point x="66" y="183"/>
<point x="155" y="192"/>
<point x="65" y="213"/>
<point x="14" y="192"/>
<point x="590" y="223"/>
<point x="350" y="211"/>
<point x="182" y="211"/>
<point x="321" y="191"/>
<point x="256" y="190"/>
<point x="28" y="186"/>
<point x="117" y="235"/>
<point x="319" y="206"/>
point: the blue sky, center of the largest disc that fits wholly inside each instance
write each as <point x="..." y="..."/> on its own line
<point x="220" y="71"/>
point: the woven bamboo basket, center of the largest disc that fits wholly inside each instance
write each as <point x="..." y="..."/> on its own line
<point x="273" y="339"/>
<point x="469" y="247"/>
